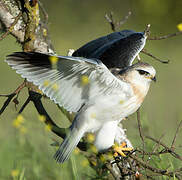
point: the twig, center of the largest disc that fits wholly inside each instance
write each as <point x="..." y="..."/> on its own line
<point x="166" y="36"/>
<point x="121" y="22"/>
<point x="163" y="151"/>
<point x="158" y="144"/>
<point x="116" y="25"/>
<point x="154" y="57"/>
<point x="24" y="105"/>
<point x="109" y="167"/>
<point x="175" y="136"/>
<point x="43" y="12"/>
<point x="153" y="169"/>
<point x="61" y="132"/>
<point x="10" y="28"/>
<point x="110" y="19"/>
<point x="147" y="30"/>
<point x="166" y="147"/>
<point x="7" y="19"/>
<point x="10" y="97"/>
<point x="36" y="99"/>
<point x="140" y="130"/>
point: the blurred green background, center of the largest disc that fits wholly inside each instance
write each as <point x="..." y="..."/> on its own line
<point x="73" y="23"/>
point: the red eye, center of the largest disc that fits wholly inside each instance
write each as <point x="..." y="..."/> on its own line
<point x="142" y="72"/>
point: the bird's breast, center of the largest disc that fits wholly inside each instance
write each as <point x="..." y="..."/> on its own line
<point x="139" y="92"/>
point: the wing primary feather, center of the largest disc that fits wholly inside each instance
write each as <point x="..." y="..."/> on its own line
<point x="63" y="81"/>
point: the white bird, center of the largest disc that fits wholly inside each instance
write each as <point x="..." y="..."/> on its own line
<point x="99" y="98"/>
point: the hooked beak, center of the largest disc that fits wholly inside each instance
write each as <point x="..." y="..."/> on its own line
<point x="154" y="79"/>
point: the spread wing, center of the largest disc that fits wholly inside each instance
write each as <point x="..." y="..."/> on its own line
<point x="68" y="81"/>
<point x="117" y="49"/>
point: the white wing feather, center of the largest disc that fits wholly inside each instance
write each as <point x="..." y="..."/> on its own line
<point x="65" y="83"/>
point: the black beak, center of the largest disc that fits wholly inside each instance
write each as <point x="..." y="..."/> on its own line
<point x="154" y="79"/>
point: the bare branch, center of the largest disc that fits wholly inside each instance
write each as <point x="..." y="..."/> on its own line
<point x="175" y="136"/>
<point x="6" y="103"/>
<point x="153" y="169"/>
<point x="110" y="168"/>
<point x="140" y="130"/>
<point x="44" y="12"/>
<point x="116" y="25"/>
<point x="61" y="132"/>
<point x="8" y="19"/>
<point x="110" y="20"/>
<point x="24" y="105"/>
<point x="11" y="27"/>
<point x="166" y="36"/>
<point x="166" y="147"/>
<point x="123" y="21"/>
<point x="158" y="144"/>
<point x="11" y="96"/>
<point x="154" y="57"/>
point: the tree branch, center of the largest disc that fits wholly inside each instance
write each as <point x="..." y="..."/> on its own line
<point x="165" y="36"/>
<point x="175" y="136"/>
<point x="11" y="96"/>
<point x="144" y="51"/>
<point x="115" y="25"/>
<point x="140" y="130"/>
<point x="61" y="132"/>
<point x="7" y="19"/>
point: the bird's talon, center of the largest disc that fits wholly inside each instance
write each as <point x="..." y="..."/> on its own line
<point x="121" y="148"/>
<point x="115" y="154"/>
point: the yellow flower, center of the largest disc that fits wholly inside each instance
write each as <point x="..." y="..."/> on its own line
<point x="46" y="82"/>
<point x="94" y="163"/>
<point x="90" y="137"/>
<point x="76" y="151"/>
<point x="18" y="121"/>
<point x="84" y="80"/>
<point x="16" y="124"/>
<point x="102" y="158"/>
<point x="23" y="130"/>
<point x="39" y="91"/>
<point x="53" y="60"/>
<point x="85" y="163"/>
<point x="55" y="87"/>
<point x="42" y="118"/>
<point x="109" y="156"/>
<point x="15" y="173"/>
<point x="48" y="127"/>
<point x="44" y="32"/>
<point x="121" y="102"/>
<point x="93" y="149"/>
<point x="179" y="26"/>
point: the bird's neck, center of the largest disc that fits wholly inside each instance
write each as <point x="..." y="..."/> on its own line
<point x="140" y="90"/>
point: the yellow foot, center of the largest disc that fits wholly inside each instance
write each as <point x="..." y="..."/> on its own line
<point x="120" y="149"/>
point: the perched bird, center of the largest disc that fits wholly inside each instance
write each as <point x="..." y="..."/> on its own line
<point x="85" y="86"/>
<point x="116" y="50"/>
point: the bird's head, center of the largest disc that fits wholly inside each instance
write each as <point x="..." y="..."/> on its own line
<point x="139" y="73"/>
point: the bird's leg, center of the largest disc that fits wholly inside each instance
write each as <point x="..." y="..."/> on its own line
<point x="121" y="148"/>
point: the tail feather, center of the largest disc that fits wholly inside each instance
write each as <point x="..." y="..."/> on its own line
<point x="70" y="142"/>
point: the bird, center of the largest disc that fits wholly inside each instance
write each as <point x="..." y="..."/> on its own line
<point x="115" y="50"/>
<point x="100" y="98"/>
